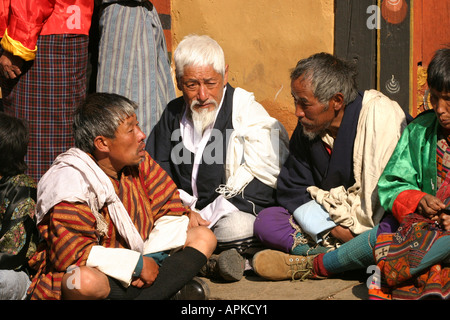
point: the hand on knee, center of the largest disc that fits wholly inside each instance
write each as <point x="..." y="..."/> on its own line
<point x="84" y="283"/>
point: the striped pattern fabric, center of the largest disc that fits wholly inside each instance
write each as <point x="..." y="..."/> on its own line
<point x="147" y="193"/>
<point x="133" y="60"/>
<point x="46" y="96"/>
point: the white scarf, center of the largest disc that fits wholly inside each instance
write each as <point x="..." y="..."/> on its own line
<point x="258" y="146"/>
<point x="75" y="177"/>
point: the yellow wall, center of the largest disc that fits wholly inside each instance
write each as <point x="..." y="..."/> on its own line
<point x="262" y="40"/>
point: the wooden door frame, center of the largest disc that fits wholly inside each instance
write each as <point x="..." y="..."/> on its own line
<point x="382" y="53"/>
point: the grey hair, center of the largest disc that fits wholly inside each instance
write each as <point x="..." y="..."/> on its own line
<point x="100" y="115"/>
<point x="329" y="75"/>
<point x="198" y="50"/>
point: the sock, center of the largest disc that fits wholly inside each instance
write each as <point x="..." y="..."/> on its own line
<point x="119" y="292"/>
<point x="176" y="270"/>
<point x="352" y="255"/>
<point x="318" y="267"/>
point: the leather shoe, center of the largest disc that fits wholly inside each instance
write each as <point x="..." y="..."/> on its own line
<point x="277" y="265"/>
<point x="195" y="289"/>
<point x="229" y="265"/>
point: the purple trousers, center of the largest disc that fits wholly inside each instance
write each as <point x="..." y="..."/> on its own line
<point x="273" y="228"/>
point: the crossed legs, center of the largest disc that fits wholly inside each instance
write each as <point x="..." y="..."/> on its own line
<point x="94" y="284"/>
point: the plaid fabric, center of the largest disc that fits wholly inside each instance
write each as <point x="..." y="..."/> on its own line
<point x="46" y="95"/>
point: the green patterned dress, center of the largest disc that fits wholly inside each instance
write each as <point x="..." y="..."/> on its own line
<point x="18" y="232"/>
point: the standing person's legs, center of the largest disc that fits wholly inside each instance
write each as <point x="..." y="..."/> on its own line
<point x="46" y="95"/>
<point x="133" y="60"/>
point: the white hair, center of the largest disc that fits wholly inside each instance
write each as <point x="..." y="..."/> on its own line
<point x="198" y="50"/>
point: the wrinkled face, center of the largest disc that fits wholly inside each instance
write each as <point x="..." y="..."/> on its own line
<point x="314" y="116"/>
<point x="128" y="146"/>
<point x="441" y="106"/>
<point x="201" y="86"/>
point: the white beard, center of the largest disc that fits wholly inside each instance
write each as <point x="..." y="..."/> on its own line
<point x="310" y="135"/>
<point x="203" y="118"/>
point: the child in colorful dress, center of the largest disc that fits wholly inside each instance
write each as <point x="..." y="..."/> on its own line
<point x="18" y="232"/>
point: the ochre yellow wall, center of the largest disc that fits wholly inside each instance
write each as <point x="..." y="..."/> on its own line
<point x="262" y="40"/>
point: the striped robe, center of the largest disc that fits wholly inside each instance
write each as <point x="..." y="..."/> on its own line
<point x="69" y="230"/>
<point x="133" y="60"/>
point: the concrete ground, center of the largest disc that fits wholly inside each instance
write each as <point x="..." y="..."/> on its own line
<point x="256" y="298"/>
<point x="351" y="286"/>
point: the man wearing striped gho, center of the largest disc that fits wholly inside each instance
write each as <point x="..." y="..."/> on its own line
<point x="111" y="218"/>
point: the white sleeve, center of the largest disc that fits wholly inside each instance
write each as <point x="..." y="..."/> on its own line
<point x="117" y="263"/>
<point x="217" y="209"/>
<point x="187" y="199"/>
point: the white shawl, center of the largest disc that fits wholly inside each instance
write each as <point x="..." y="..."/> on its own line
<point x="258" y="145"/>
<point x="380" y="125"/>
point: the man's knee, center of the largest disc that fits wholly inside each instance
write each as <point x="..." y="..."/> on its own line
<point x="234" y="226"/>
<point x="84" y="283"/>
<point x="202" y="239"/>
<point x="270" y="217"/>
<point x="274" y="229"/>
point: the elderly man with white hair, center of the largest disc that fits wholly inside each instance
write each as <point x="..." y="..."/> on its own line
<point x="223" y="151"/>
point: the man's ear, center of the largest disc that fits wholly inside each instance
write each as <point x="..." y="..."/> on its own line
<point x="179" y="85"/>
<point x="225" y="76"/>
<point x="101" y="144"/>
<point x="338" y="101"/>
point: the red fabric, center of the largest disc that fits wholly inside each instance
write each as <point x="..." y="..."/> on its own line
<point x="444" y="190"/>
<point x="30" y="18"/>
<point x="4" y="8"/>
<point x="319" y="268"/>
<point x="328" y="147"/>
<point x="406" y="203"/>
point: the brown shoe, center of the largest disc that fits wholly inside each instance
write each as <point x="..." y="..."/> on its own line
<point x="277" y="265"/>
